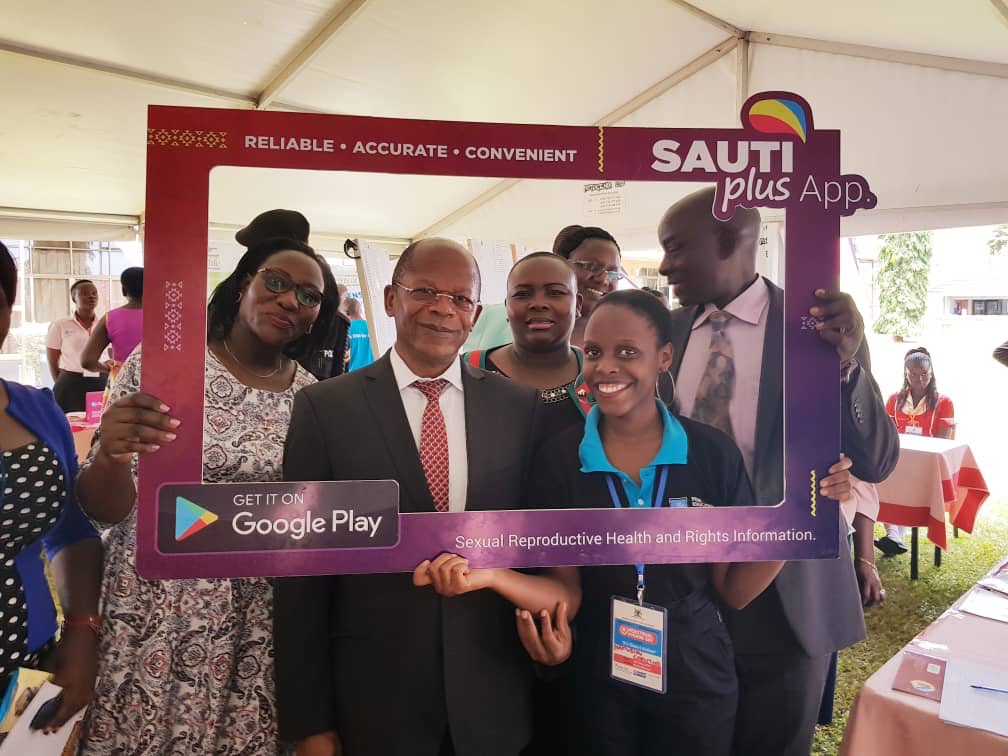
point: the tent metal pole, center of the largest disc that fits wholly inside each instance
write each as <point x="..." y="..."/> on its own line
<point x="742" y="73"/>
<point x="66" y="216"/>
<point x="121" y="72"/>
<point x="959" y="65"/>
<point x="1001" y="7"/>
<point x="615" y="116"/>
<point x="709" y="18"/>
<point x="308" y="53"/>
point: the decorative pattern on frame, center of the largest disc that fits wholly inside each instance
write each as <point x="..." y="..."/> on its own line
<point x="186" y="138"/>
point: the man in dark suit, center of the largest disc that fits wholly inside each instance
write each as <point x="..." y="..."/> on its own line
<point x="785" y="638"/>
<point x="371" y="664"/>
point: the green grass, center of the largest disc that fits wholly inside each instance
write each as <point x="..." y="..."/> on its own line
<point x="912" y="605"/>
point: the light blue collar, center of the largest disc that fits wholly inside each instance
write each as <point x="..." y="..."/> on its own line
<point x="673" y="450"/>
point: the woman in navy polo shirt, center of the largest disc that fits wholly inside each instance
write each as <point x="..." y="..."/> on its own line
<point x="634" y="452"/>
<point x="38" y="508"/>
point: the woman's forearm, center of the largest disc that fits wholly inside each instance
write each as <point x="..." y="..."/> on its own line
<point x="539" y="592"/>
<point x="739" y="583"/>
<point x="105" y="489"/>
<point x="53" y="356"/>
<point x="77" y="571"/>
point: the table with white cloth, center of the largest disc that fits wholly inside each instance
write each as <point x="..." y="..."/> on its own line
<point x="935" y="478"/>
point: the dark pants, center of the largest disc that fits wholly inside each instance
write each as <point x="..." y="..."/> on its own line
<point x="695" y="716"/>
<point x="70" y="389"/>
<point x="779" y="700"/>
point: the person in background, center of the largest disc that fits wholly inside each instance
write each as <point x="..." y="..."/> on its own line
<point x="542" y="305"/>
<point x="786" y="638"/>
<point x="658" y="294"/>
<point x="329" y="357"/>
<point x="917" y="409"/>
<point x="65" y="342"/>
<point x="360" y="340"/>
<point x="1001" y="354"/>
<point x="595" y="256"/>
<point x="38" y="467"/>
<point x="122" y="328"/>
<point x="332" y="354"/>
<point x="186" y="666"/>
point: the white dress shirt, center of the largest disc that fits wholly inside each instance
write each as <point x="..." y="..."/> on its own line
<point x="452" y="403"/>
<point x="746" y="330"/>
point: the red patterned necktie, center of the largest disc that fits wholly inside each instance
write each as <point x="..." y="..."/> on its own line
<point x="434" y="442"/>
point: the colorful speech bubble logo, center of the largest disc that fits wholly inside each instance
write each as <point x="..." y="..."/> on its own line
<point x="778" y="115"/>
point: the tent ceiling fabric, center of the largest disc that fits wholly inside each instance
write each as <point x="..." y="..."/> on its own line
<point x="973" y="30"/>
<point x="74" y="140"/>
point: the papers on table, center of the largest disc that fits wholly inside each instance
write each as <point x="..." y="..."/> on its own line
<point x="995" y="583"/>
<point x="986" y="603"/>
<point x="964" y="703"/>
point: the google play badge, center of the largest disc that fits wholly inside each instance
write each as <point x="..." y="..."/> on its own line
<point x="190" y="518"/>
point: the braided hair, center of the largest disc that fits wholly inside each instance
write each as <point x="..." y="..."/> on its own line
<point x="919" y="356"/>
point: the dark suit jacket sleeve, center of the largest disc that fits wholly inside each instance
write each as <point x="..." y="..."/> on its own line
<point x="868" y="435"/>
<point x="301" y="606"/>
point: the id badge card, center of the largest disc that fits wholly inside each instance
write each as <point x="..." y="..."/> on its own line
<point x="638" y="643"/>
<point x="914" y="430"/>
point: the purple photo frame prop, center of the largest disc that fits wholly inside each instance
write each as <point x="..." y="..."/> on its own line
<point x="776" y="159"/>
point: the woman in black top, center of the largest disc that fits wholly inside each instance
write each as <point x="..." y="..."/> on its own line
<point x="542" y="303"/>
<point x="633" y="452"/>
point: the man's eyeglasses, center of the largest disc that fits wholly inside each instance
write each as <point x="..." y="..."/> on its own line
<point x="426" y="295"/>
<point x="279" y="283"/>
<point x="594" y="269"/>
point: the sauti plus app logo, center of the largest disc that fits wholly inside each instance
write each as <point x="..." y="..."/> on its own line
<point x="190" y="518"/>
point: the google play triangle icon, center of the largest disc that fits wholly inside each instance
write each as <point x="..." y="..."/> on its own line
<point x="190" y="518"/>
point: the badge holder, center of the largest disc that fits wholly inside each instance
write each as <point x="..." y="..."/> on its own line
<point x="638" y="641"/>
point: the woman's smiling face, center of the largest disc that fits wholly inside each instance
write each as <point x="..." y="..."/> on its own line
<point x="623" y="359"/>
<point x="594" y="260"/>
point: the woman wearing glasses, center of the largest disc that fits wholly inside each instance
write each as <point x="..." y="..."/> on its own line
<point x="595" y="256"/>
<point x="186" y="666"/>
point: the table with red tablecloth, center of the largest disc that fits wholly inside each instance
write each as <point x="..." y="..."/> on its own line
<point x="83" y="432"/>
<point x="935" y="478"/>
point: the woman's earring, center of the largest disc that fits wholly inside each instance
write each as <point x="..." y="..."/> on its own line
<point x="238" y="299"/>
<point x="657" y="385"/>
<point x="310" y="326"/>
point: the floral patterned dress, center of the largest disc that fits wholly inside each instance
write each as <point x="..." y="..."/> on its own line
<point x="186" y="666"/>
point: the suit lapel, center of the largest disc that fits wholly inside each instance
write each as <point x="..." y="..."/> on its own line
<point x="479" y="422"/>
<point x="769" y="409"/>
<point x="682" y="326"/>
<point x="382" y="394"/>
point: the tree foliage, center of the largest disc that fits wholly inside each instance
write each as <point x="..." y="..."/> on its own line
<point x="904" y="265"/>
<point x="998" y="240"/>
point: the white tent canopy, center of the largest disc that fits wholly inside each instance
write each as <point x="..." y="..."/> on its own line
<point x="920" y="92"/>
